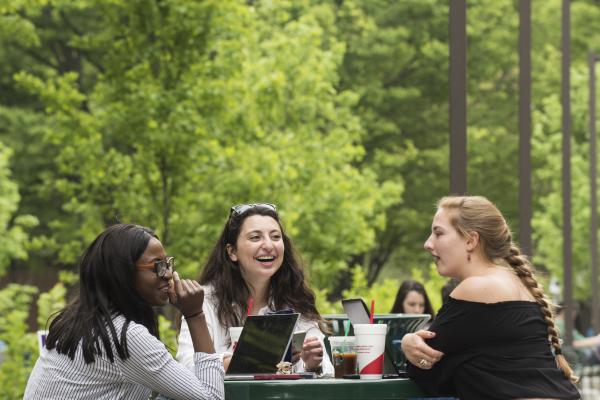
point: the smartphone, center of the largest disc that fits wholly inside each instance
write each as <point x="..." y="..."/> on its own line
<point x="298" y="341"/>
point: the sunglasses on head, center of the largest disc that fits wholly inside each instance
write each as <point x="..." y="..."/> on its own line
<point x="242" y="208"/>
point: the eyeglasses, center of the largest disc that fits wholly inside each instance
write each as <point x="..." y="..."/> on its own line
<point x="242" y="208"/>
<point x="160" y="267"/>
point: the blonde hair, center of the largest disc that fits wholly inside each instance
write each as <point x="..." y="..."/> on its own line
<point x="478" y="214"/>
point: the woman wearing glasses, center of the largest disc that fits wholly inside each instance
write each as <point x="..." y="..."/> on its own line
<point x="253" y="262"/>
<point x="105" y="343"/>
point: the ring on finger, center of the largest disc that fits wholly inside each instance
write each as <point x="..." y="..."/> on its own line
<point x="423" y="363"/>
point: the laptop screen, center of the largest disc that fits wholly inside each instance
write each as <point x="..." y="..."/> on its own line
<point x="262" y="343"/>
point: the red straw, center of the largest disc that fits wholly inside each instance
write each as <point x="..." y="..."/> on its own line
<point x="372" y="311"/>
<point x="250" y="304"/>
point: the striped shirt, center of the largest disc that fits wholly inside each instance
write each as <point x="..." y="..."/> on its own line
<point x="149" y="367"/>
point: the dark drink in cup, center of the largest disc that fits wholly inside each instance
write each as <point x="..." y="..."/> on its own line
<point x="343" y="355"/>
<point x="344" y="364"/>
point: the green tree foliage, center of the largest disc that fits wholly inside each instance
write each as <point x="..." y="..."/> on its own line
<point x="493" y="93"/>
<point x="167" y="122"/>
<point x="396" y="60"/>
<point x="21" y="349"/>
<point x="49" y="303"/>
<point x="13" y="228"/>
<point x="547" y="140"/>
<point x="168" y="112"/>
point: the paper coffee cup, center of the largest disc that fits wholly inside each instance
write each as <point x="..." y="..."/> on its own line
<point x="234" y="334"/>
<point x="370" y="345"/>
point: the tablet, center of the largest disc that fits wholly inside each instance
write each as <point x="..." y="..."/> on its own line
<point x="262" y="343"/>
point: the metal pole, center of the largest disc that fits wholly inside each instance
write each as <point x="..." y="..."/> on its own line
<point x="458" y="97"/>
<point x="566" y="172"/>
<point x="593" y="196"/>
<point x="525" y="127"/>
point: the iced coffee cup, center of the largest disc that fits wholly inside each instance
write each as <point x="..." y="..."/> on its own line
<point x="234" y="334"/>
<point x="370" y="345"/>
<point x="343" y="355"/>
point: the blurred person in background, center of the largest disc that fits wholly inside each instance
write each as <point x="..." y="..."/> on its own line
<point x="587" y="349"/>
<point x="105" y="343"/>
<point x="412" y="299"/>
<point x="495" y="338"/>
<point x="254" y="261"/>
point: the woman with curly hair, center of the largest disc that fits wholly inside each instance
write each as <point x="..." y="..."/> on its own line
<point x="254" y="261"/>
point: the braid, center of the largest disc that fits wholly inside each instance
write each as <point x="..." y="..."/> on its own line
<point x="522" y="267"/>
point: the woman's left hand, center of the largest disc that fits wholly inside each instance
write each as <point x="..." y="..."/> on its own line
<point x="312" y="353"/>
<point x="418" y="352"/>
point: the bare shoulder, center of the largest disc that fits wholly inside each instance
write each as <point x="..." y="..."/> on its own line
<point x="486" y="289"/>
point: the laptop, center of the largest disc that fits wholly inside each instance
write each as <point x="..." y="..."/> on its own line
<point x="398" y="326"/>
<point x="262" y="345"/>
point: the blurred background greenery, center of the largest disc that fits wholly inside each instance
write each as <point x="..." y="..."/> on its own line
<point x="167" y="112"/>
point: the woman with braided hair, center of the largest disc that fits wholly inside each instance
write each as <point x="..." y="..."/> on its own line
<point x="495" y="338"/>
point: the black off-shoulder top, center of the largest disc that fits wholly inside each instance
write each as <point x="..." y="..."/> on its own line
<point x="493" y="351"/>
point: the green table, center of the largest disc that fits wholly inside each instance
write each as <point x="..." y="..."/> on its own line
<point x="322" y="389"/>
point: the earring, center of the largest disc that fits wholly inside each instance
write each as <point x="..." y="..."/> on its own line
<point x="468" y="256"/>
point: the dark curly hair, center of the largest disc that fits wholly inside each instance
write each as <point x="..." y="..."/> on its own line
<point x="287" y="286"/>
